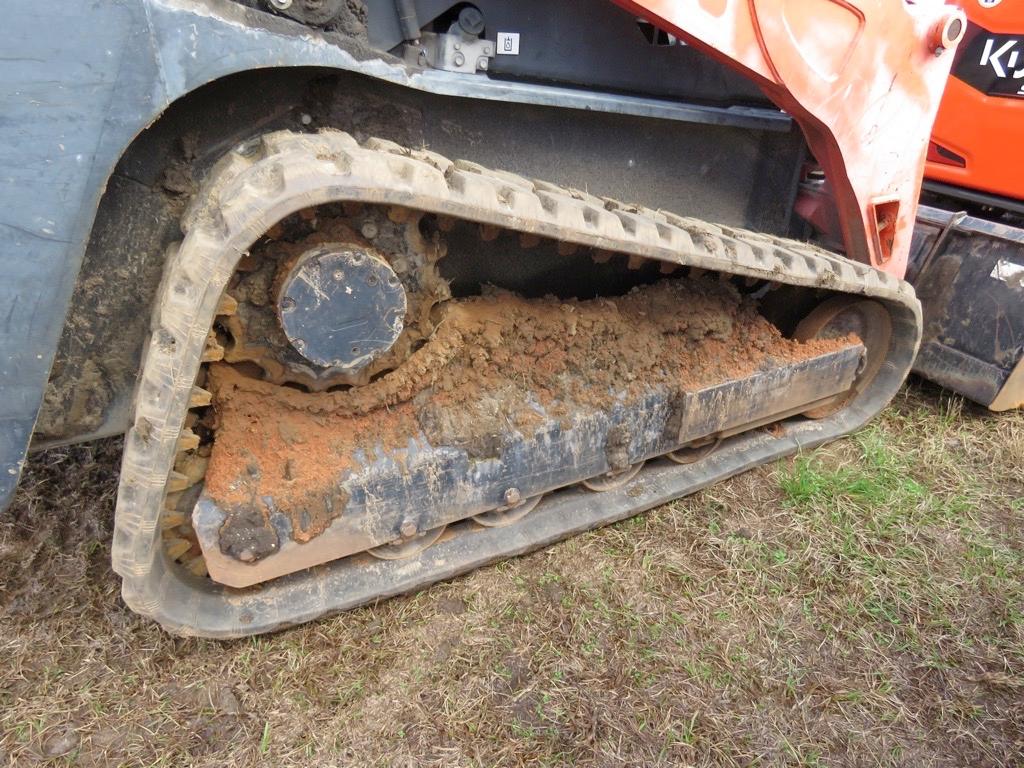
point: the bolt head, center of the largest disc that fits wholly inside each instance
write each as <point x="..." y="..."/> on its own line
<point x="281" y="5"/>
<point x="513" y="496"/>
<point x="459" y="59"/>
<point x="408" y="529"/>
<point x="369" y="230"/>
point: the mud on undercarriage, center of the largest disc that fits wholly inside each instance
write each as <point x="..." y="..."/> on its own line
<point x="303" y="488"/>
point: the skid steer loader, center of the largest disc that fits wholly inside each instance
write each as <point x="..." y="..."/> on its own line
<point x="382" y="291"/>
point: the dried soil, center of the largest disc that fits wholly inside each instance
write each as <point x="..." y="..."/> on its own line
<point x="498" y="362"/>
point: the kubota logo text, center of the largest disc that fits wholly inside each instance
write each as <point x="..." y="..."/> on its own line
<point x="1002" y="59"/>
<point x="991" y="63"/>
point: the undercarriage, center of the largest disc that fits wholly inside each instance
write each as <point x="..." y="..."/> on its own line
<point x="356" y="384"/>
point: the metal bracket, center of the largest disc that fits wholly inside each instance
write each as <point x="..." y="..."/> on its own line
<point x="455" y="51"/>
<point x="940" y="240"/>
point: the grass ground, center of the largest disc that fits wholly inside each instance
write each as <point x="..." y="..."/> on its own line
<point x="859" y="605"/>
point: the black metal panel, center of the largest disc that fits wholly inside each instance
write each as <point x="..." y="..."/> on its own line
<point x="972" y="196"/>
<point x="952" y="369"/>
<point x="590" y="43"/>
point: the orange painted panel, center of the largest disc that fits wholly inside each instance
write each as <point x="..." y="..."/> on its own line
<point x="866" y="105"/>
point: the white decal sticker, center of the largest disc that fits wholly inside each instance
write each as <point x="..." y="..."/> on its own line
<point x="1010" y="273"/>
<point x="994" y="56"/>
<point x="508" y="43"/>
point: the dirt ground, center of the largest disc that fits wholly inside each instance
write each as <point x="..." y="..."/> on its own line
<point x="859" y="605"/>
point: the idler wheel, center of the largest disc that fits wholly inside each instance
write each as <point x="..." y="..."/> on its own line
<point x="838" y="317"/>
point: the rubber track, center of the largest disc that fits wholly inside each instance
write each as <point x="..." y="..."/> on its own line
<point x="266" y="180"/>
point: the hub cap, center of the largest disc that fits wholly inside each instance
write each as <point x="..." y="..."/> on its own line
<point x="341" y="306"/>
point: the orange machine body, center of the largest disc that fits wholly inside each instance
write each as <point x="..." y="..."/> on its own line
<point x="978" y="138"/>
<point x="862" y="78"/>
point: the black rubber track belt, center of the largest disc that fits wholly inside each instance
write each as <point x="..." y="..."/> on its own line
<point x="263" y="181"/>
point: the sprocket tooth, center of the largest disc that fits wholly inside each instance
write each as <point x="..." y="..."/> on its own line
<point x="176" y="547"/>
<point x="187" y="441"/>
<point x="192" y="467"/>
<point x="199" y="398"/>
<point x="172" y="520"/>
<point x="176" y="481"/>
<point x="398" y="214"/>
<point x="227" y="305"/>
<point x="213" y="351"/>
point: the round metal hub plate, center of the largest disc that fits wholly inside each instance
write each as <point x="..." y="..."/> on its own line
<point x="341" y="306"/>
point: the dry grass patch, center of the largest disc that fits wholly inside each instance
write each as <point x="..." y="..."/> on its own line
<point x="860" y="605"/>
